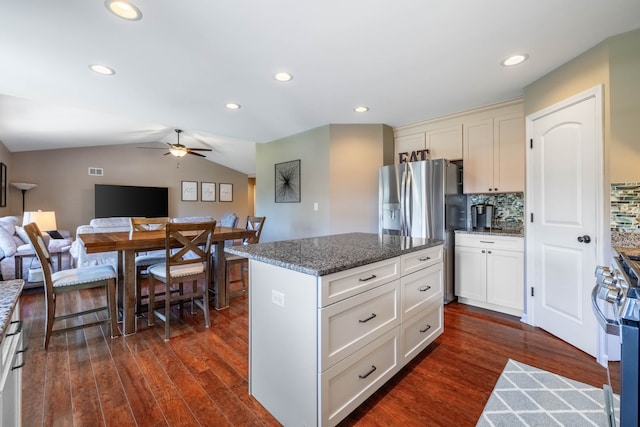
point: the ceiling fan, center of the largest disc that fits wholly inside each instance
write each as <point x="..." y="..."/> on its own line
<point x="179" y="150"/>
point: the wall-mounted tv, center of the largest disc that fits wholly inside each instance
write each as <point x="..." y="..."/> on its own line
<point x="127" y="200"/>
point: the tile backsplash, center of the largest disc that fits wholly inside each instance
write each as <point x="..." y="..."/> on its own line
<point x="625" y="214"/>
<point x="509" y="208"/>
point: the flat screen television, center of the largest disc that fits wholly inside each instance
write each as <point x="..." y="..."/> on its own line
<point x="127" y="200"/>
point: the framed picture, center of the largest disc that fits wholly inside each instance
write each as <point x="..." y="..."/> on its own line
<point x="3" y="185"/>
<point x="226" y="192"/>
<point x="287" y="182"/>
<point x="208" y="191"/>
<point x="189" y="191"/>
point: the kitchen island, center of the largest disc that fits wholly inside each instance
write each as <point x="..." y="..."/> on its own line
<point x="332" y="318"/>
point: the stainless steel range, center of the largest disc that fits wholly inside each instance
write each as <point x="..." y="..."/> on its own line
<point x="617" y="286"/>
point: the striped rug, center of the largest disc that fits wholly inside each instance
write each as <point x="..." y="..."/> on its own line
<point x="528" y="396"/>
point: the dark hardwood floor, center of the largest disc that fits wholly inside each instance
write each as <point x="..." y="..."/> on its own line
<point x="200" y="376"/>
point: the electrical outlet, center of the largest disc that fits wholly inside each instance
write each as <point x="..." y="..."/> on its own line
<point x="315" y="206"/>
<point x="277" y="298"/>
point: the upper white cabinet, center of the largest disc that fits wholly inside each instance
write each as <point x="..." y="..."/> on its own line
<point x="443" y="141"/>
<point x="493" y="156"/>
<point x="489" y="140"/>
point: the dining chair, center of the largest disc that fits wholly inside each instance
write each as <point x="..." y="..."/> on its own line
<point x="145" y="260"/>
<point x="188" y="258"/>
<point x="73" y="280"/>
<point x="253" y="223"/>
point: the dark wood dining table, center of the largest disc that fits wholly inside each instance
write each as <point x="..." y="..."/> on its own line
<point x="127" y="246"/>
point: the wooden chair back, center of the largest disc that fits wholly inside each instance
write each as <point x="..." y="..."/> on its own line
<point x="254" y="223"/>
<point x="147" y="224"/>
<point x="194" y="243"/>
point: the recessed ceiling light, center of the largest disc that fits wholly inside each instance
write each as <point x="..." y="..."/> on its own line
<point x="102" y="69"/>
<point x="283" y="77"/>
<point x="515" y="60"/>
<point x="361" y="109"/>
<point x="232" y="106"/>
<point x="123" y="9"/>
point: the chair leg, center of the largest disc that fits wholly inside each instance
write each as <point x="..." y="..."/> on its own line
<point x="50" y="309"/>
<point x="205" y="303"/>
<point x="113" y="312"/>
<point x="151" y="317"/>
<point x="138" y="291"/>
<point x="167" y="310"/>
<point x="194" y="289"/>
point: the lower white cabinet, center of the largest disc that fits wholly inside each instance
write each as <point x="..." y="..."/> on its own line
<point x="11" y="373"/>
<point x="320" y="346"/>
<point x="489" y="272"/>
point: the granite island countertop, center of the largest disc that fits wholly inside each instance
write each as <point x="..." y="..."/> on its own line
<point x="319" y="256"/>
<point x="9" y="294"/>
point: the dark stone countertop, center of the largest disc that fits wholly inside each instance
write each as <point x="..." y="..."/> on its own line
<point x="319" y="256"/>
<point x="9" y="294"/>
<point x="495" y="232"/>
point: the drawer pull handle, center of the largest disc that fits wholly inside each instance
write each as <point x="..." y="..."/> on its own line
<point x="371" y="371"/>
<point x="17" y="331"/>
<point x="486" y="241"/>
<point x="373" y="276"/>
<point x="422" y="331"/>
<point x="424" y="258"/>
<point x="17" y="367"/>
<point x="373" y="315"/>
<point x="424" y="288"/>
<point x="24" y="350"/>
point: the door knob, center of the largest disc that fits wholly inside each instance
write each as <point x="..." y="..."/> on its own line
<point x="584" y="239"/>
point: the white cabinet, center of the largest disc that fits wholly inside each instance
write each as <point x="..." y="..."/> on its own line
<point x="494" y="154"/>
<point x="489" y="272"/>
<point x="320" y="346"/>
<point x="11" y="373"/>
<point x="441" y="141"/>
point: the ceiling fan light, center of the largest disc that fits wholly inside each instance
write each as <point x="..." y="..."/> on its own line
<point x="178" y="151"/>
<point x="123" y="9"/>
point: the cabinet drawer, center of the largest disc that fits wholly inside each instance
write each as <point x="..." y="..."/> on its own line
<point x="352" y="323"/>
<point x="11" y="336"/>
<point x="338" y="286"/>
<point x="347" y="384"/>
<point x="421" y="289"/>
<point x="419" y="331"/>
<point x="415" y="261"/>
<point x="490" y="241"/>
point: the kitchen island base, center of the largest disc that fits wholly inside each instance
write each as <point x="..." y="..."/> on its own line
<point x="319" y="346"/>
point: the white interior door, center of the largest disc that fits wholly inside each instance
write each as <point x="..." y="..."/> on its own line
<point x="564" y="196"/>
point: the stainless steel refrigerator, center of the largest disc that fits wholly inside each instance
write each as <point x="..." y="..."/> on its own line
<point x="424" y="199"/>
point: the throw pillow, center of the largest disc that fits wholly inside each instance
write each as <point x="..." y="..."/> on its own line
<point x="7" y="244"/>
<point x="22" y="234"/>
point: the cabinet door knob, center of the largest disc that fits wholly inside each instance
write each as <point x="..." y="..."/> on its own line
<point x="483" y="251"/>
<point x="584" y="239"/>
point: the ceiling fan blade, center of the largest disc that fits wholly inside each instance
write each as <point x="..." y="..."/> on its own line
<point x="195" y="154"/>
<point x="199" y="149"/>
<point x="152" y="148"/>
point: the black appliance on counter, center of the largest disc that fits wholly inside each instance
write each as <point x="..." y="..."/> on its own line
<point x="618" y="287"/>
<point x="482" y="216"/>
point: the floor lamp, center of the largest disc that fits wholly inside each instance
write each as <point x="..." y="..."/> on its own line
<point x="23" y="186"/>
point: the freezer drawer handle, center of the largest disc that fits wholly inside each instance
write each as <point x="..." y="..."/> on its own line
<point x="425" y="258"/>
<point x="371" y="371"/>
<point x="373" y="316"/>
<point x="373" y="276"/>
<point x="485" y="241"/>
<point x="424" y="288"/>
<point x="422" y="331"/>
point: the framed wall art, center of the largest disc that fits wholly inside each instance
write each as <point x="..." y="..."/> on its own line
<point x="189" y="191"/>
<point x="287" y="182"/>
<point x="208" y="191"/>
<point x="226" y="192"/>
<point x="3" y="186"/>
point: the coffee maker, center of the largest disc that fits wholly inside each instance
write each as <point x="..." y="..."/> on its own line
<point x="482" y="216"/>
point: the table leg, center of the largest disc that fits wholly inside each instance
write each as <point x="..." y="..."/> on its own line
<point x="220" y="300"/>
<point x="129" y="300"/>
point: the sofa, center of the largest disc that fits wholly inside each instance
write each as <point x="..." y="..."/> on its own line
<point x="14" y="241"/>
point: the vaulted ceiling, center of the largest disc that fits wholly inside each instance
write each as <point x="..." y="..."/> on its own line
<point x="177" y="66"/>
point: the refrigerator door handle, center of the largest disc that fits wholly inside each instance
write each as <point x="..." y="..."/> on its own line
<point x="408" y="184"/>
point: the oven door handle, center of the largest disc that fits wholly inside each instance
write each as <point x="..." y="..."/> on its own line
<point x="611" y="327"/>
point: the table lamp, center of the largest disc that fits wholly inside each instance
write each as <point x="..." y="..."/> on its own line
<point x="46" y="220"/>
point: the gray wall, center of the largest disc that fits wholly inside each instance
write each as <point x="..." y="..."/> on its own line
<point x="65" y="187"/>
<point x="339" y="172"/>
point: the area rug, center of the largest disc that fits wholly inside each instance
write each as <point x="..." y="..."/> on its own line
<point x="528" y="396"/>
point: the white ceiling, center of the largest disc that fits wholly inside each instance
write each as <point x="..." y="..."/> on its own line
<point x="408" y="60"/>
